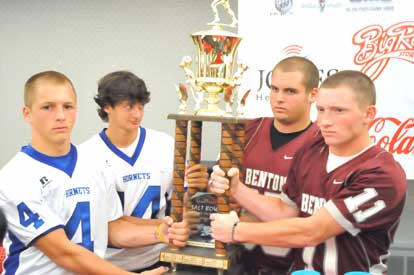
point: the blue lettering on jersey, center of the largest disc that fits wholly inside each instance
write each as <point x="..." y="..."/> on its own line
<point x="27" y="217"/>
<point x="81" y="217"/>
<point x="77" y="191"/>
<point x="136" y="176"/>
<point x="151" y="197"/>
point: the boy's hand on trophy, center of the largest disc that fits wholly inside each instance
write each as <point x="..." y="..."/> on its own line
<point x="223" y="226"/>
<point x="196" y="176"/>
<point x="175" y="232"/>
<point x="193" y="220"/>
<point x="219" y="182"/>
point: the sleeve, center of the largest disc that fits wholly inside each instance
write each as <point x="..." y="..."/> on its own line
<point x="290" y="190"/>
<point x="28" y="215"/>
<point x="372" y="199"/>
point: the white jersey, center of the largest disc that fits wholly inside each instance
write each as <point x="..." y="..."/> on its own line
<point x="40" y="194"/>
<point x="144" y="183"/>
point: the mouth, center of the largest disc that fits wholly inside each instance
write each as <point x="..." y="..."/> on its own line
<point x="61" y="129"/>
<point x="279" y="109"/>
<point x="328" y="133"/>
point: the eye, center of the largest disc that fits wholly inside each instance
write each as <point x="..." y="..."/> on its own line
<point x="46" y="107"/>
<point x="274" y="89"/>
<point x="69" y="107"/>
<point x="320" y="109"/>
<point x="291" y="91"/>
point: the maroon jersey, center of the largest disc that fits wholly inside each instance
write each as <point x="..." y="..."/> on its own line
<point x="266" y="170"/>
<point x="365" y="196"/>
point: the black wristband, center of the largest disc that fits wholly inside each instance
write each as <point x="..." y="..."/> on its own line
<point x="233" y="229"/>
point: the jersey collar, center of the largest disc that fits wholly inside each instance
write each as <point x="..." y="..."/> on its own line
<point x="66" y="163"/>
<point x="131" y="160"/>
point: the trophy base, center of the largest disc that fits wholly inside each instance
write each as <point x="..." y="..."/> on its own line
<point x="196" y="256"/>
<point x="201" y="261"/>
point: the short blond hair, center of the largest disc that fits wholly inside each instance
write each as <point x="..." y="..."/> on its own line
<point x="46" y="76"/>
<point x="362" y="86"/>
<point x="302" y="65"/>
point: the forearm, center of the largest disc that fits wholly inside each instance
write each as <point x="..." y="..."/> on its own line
<point x="265" y="208"/>
<point x="82" y="261"/>
<point x="292" y="232"/>
<point x="281" y="233"/>
<point x="125" y="234"/>
<point x="140" y="221"/>
<point x="73" y="257"/>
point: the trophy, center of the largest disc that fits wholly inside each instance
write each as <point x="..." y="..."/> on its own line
<point x="215" y="51"/>
<point x="212" y="81"/>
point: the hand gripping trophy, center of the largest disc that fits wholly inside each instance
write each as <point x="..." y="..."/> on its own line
<point x="211" y="81"/>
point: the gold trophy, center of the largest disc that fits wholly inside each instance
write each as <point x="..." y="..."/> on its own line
<point x="216" y="50"/>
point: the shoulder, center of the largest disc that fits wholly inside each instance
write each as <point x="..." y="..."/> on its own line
<point x="20" y="162"/>
<point x="92" y="147"/>
<point x="378" y="169"/>
<point x="381" y="163"/>
<point x="313" y="130"/>
<point x="19" y="174"/>
<point x="256" y="124"/>
<point x="93" y="141"/>
<point x="157" y="136"/>
<point x="314" y="141"/>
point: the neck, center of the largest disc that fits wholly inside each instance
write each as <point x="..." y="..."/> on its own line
<point x="351" y="148"/>
<point x="288" y="128"/>
<point x="121" y="138"/>
<point x="52" y="150"/>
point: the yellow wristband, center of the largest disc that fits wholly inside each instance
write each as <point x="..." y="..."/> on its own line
<point x="159" y="234"/>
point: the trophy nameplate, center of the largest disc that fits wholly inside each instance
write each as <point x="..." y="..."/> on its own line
<point x="205" y="204"/>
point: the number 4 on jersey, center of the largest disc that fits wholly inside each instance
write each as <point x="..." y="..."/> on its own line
<point x="151" y="197"/>
<point x="27" y="217"/>
<point x="81" y="216"/>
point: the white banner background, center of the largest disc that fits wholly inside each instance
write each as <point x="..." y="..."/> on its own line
<point x="326" y="31"/>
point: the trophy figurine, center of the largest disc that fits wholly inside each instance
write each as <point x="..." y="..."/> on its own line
<point x="226" y="6"/>
<point x="212" y="80"/>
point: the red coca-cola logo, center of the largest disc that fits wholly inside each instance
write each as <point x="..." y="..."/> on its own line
<point x="379" y="45"/>
<point x="400" y="141"/>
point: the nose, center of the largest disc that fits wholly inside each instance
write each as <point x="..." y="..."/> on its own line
<point x="60" y="113"/>
<point x="324" y="119"/>
<point x="277" y="97"/>
<point x="136" y="110"/>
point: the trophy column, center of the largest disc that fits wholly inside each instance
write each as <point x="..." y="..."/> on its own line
<point x="231" y="155"/>
<point x="180" y="152"/>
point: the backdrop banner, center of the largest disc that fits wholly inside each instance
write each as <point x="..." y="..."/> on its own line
<point x="372" y="36"/>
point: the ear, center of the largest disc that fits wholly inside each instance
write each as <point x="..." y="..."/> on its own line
<point x="312" y="95"/>
<point x="370" y="114"/>
<point x="107" y="109"/>
<point x="27" y="114"/>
